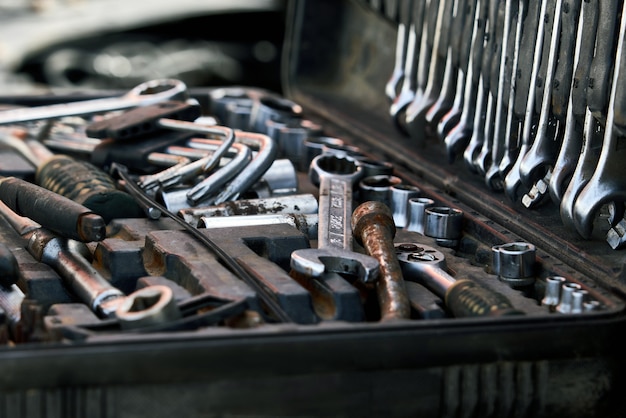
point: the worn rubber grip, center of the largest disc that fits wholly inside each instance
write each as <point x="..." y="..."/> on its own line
<point x="466" y="298"/>
<point x="87" y="185"/>
<point x="51" y="210"/>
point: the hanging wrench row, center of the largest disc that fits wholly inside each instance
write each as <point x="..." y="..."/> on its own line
<point x="528" y="94"/>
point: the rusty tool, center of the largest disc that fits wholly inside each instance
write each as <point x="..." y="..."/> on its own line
<point x="374" y="229"/>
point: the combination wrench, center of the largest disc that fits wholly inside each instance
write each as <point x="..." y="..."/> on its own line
<point x="336" y="176"/>
<point x="478" y="130"/>
<point x="459" y="136"/>
<point x="513" y="181"/>
<point x="607" y="184"/>
<point x="144" y="94"/>
<point x="465" y="18"/>
<point x="572" y="142"/>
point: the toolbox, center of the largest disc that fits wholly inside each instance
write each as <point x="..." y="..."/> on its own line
<point x="491" y="301"/>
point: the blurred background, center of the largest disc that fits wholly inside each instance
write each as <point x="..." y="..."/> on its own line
<point x="59" y="45"/>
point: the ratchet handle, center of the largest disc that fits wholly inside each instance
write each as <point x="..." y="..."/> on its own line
<point x="466" y="298"/>
<point x="87" y="185"/>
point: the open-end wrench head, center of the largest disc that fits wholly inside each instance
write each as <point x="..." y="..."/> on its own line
<point x="314" y="262"/>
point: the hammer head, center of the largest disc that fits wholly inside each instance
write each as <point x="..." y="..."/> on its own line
<point x="314" y="262"/>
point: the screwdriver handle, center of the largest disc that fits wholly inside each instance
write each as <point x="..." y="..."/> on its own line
<point x="51" y="210"/>
<point x="87" y="185"/>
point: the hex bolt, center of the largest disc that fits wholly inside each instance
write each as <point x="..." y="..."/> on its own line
<point x="553" y="291"/>
<point x="567" y="291"/>
<point x="374" y="229"/>
<point x="417" y="207"/>
<point x="399" y="198"/>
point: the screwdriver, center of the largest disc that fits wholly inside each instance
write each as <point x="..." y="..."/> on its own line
<point x="77" y="180"/>
<point x="51" y="210"/>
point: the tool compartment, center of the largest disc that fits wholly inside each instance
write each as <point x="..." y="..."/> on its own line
<point x="229" y="355"/>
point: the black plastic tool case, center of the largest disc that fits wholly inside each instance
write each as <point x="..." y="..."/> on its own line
<point x="338" y="57"/>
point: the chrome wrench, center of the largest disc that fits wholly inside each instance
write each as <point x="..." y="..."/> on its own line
<point x="144" y="94"/>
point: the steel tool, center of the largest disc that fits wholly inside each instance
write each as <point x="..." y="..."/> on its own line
<point x="336" y="177"/>
<point x="146" y="93"/>
<point x="572" y="144"/>
<point x="450" y="51"/>
<point x="513" y="181"/>
<point x="411" y="22"/>
<point x="511" y="38"/>
<point x="459" y="136"/>
<point x="473" y="149"/>
<point x="483" y="159"/>
<point x="536" y="165"/>
<point x="462" y="297"/>
<point x="607" y="184"/>
<point x="397" y="75"/>
<point x="415" y="118"/>
<point x="463" y="44"/>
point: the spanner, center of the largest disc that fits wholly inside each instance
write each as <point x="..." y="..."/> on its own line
<point x="146" y="93"/>
<point x="593" y="129"/>
<point x="483" y="160"/>
<point x="478" y="130"/>
<point x="607" y="184"/>
<point x="572" y="143"/>
<point x="513" y="18"/>
<point x="336" y="177"/>
<point x="513" y="181"/>
<point x="415" y="13"/>
<point x="397" y="75"/>
<point x="462" y="59"/>
<point x="536" y="166"/>
<point x="446" y="97"/>
<point x="459" y="136"/>
<point x="416" y="111"/>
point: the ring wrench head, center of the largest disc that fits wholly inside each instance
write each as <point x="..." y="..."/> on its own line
<point x="148" y="306"/>
<point x="343" y="166"/>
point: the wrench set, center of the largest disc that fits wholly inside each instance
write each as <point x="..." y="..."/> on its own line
<point x="427" y="221"/>
<point x="525" y="93"/>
